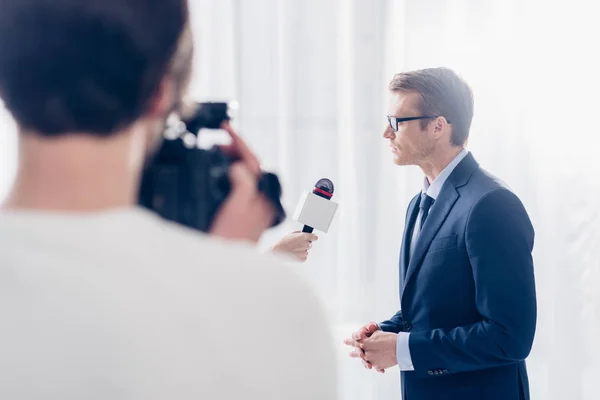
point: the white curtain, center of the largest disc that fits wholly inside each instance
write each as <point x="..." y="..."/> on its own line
<point x="311" y="79"/>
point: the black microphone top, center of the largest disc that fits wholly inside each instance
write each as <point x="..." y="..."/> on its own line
<point x="324" y="188"/>
<point x="325" y="184"/>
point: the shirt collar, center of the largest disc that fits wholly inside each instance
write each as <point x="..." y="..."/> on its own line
<point x="433" y="190"/>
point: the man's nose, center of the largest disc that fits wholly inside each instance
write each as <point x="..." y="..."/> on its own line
<point x="387" y="133"/>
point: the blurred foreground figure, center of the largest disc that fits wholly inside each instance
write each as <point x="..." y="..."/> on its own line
<point x="101" y="299"/>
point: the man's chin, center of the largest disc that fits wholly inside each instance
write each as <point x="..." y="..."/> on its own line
<point x="401" y="161"/>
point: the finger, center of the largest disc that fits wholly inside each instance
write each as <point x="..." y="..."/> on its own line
<point x="367" y="357"/>
<point x="240" y="149"/>
<point x="242" y="179"/>
<point x="248" y="159"/>
<point x="361" y="334"/>
<point x="367" y="364"/>
<point x="381" y="371"/>
<point x="373" y="335"/>
<point x="350" y="342"/>
<point x="310" y="237"/>
<point x="239" y="174"/>
<point x="302" y="247"/>
<point x="357" y="353"/>
<point x="230" y="150"/>
<point x="372" y="327"/>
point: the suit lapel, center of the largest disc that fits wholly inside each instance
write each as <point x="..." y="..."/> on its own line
<point x="438" y="214"/>
<point x="411" y="218"/>
<point x="436" y="218"/>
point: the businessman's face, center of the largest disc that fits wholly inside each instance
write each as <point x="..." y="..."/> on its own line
<point x="412" y="142"/>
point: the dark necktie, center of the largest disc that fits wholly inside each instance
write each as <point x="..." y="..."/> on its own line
<point x="425" y="205"/>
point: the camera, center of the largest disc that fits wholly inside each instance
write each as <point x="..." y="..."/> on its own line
<point x="187" y="184"/>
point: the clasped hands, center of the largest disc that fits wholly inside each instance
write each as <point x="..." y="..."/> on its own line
<point x="376" y="349"/>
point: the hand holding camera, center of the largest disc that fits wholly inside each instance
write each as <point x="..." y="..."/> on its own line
<point x="221" y="191"/>
<point x="246" y="213"/>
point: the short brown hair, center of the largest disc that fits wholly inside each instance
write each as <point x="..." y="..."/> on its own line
<point x="443" y="93"/>
<point x="90" y="66"/>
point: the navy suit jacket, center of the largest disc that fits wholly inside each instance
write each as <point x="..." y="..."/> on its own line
<point x="467" y="294"/>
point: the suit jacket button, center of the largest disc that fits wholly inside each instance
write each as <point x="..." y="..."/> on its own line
<point x="430" y="372"/>
<point x="445" y="371"/>
<point x="437" y="372"/>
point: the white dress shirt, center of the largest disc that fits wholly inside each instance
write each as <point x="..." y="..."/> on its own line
<point x="433" y="190"/>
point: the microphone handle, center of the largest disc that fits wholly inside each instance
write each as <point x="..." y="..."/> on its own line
<point x="307" y="229"/>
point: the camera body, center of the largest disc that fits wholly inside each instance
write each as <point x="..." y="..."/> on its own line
<point x="188" y="185"/>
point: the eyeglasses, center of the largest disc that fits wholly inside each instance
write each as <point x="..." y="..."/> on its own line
<point x="394" y="121"/>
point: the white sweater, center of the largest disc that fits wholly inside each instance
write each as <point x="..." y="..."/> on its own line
<point x="122" y="305"/>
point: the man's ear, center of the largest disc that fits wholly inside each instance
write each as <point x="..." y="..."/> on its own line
<point x="439" y="125"/>
<point x="162" y="103"/>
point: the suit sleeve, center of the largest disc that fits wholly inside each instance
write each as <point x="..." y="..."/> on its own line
<point x="499" y="240"/>
<point x="394" y="324"/>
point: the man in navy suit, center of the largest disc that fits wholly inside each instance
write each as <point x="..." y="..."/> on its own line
<point x="467" y="292"/>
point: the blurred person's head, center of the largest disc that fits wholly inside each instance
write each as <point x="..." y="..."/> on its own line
<point x="441" y="104"/>
<point x="90" y="85"/>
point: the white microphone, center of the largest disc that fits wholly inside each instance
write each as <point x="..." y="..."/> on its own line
<point x="316" y="210"/>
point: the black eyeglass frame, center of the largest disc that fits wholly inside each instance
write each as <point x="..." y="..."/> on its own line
<point x="396" y="120"/>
